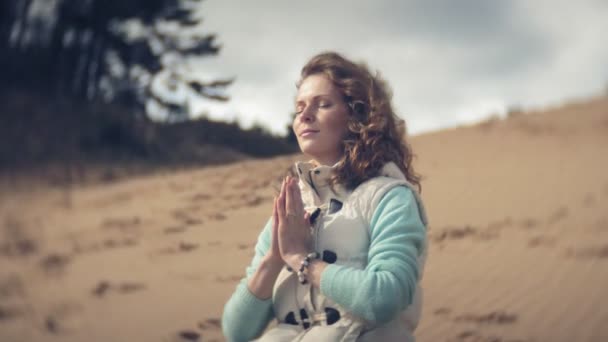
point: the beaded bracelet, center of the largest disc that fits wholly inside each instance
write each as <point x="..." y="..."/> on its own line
<point x="304" y="267"/>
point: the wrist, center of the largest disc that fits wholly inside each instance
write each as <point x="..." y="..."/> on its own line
<point x="294" y="260"/>
<point x="272" y="262"/>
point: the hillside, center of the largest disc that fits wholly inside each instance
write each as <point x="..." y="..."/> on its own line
<point x="518" y="212"/>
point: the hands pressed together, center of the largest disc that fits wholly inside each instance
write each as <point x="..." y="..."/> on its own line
<point x="291" y="236"/>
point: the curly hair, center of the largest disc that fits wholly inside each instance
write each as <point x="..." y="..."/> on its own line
<point x="376" y="135"/>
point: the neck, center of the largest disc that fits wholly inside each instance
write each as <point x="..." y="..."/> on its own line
<point x="325" y="161"/>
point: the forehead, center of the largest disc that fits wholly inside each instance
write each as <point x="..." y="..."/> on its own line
<point x="316" y="85"/>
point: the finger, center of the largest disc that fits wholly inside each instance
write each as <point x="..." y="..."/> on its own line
<point x="281" y="193"/>
<point x="297" y="198"/>
<point x="275" y="218"/>
<point x="281" y="202"/>
<point x="289" y="203"/>
<point x="275" y="224"/>
<point x="307" y="217"/>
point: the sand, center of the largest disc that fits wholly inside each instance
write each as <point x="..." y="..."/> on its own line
<point x="518" y="212"/>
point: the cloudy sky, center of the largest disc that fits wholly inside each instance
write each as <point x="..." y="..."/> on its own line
<point x="448" y="62"/>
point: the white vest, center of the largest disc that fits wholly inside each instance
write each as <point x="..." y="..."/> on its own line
<point x="343" y="228"/>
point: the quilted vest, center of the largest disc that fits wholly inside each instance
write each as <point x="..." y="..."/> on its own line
<point x="341" y="234"/>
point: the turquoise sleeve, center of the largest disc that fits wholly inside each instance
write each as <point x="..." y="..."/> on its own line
<point x="245" y="316"/>
<point x="387" y="285"/>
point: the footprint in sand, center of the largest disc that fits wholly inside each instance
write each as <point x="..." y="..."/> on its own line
<point x="175" y="229"/>
<point x="475" y="336"/>
<point x="55" y="263"/>
<point x="542" y="241"/>
<point x="497" y="226"/>
<point x="121" y="224"/>
<point x="177" y="187"/>
<point x="184" y="217"/>
<point x="467" y="335"/>
<point x="103" y="287"/>
<point x="188" y="335"/>
<point x="182" y="247"/>
<point x="200" y="197"/>
<point x="117" y="243"/>
<point x="245" y="245"/>
<point x="9" y="312"/>
<point x="442" y="311"/>
<point x="254" y="201"/>
<point x="12" y="296"/>
<point x="485" y="235"/>
<point x="601" y="225"/>
<point x="264" y="184"/>
<point x="114" y="200"/>
<point x="98" y="246"/>
<point x="558" y="215"/>
<point x="17" y="239"/>
<point x="62" y="317"/>
<point x="187" y="246"/>
<point x="210" y="324"/>
<point x="454" y="233"/>
<point x="11" y="286"/>
<point x="588" y="252"/>
<point x="589" y="200"/>
<point x="494" y="317"/>
<point x="217" y="217"/>
<point x="528" y="223"/>
<point x="228" y="279"/>
<point x="51" y="325"/>
<point x="191" y="335"/>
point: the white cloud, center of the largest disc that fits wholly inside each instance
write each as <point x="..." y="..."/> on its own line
<point x="448" y="62"/>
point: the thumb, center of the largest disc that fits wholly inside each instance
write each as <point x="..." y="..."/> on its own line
<point x="275" y="220"/>
<point x="307" y="217"/>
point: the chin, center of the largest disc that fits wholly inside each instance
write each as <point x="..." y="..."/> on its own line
<point x="313" y="154"/>
<point x="307" y="151"/>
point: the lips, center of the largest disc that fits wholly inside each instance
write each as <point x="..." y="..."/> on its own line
<point x="308" y="132"/>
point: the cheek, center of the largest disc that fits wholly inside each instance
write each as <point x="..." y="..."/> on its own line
<point x="293" y="127"/>
<point x="339" y="125"/>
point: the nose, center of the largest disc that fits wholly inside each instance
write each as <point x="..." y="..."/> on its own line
<point x="307" y="115"/>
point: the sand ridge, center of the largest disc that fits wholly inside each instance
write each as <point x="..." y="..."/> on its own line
<point x="518" y="230"/>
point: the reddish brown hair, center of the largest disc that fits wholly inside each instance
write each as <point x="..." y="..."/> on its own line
<point x="376" y="135"/>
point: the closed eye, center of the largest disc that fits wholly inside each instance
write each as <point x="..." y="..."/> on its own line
<point x="300" y="108"/>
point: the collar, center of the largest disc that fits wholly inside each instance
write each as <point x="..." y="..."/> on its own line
<point x="314" y="182"/>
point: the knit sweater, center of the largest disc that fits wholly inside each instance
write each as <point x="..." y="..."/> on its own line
<point x="377" y="293"/>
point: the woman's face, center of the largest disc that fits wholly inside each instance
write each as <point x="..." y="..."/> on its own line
<point x="321" y="117"/>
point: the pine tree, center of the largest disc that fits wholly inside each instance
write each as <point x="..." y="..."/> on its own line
<point x="110" y="50"/>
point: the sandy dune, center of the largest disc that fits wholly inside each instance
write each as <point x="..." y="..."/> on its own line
<point x="518" y="213"/>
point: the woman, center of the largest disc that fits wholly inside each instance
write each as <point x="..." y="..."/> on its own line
<point x="342" y="255"/>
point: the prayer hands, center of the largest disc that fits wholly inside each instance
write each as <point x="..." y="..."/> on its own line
<point x="291" y="228"/>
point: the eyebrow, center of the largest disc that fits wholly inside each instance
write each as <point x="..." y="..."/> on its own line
<point x="314" y="97"/>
